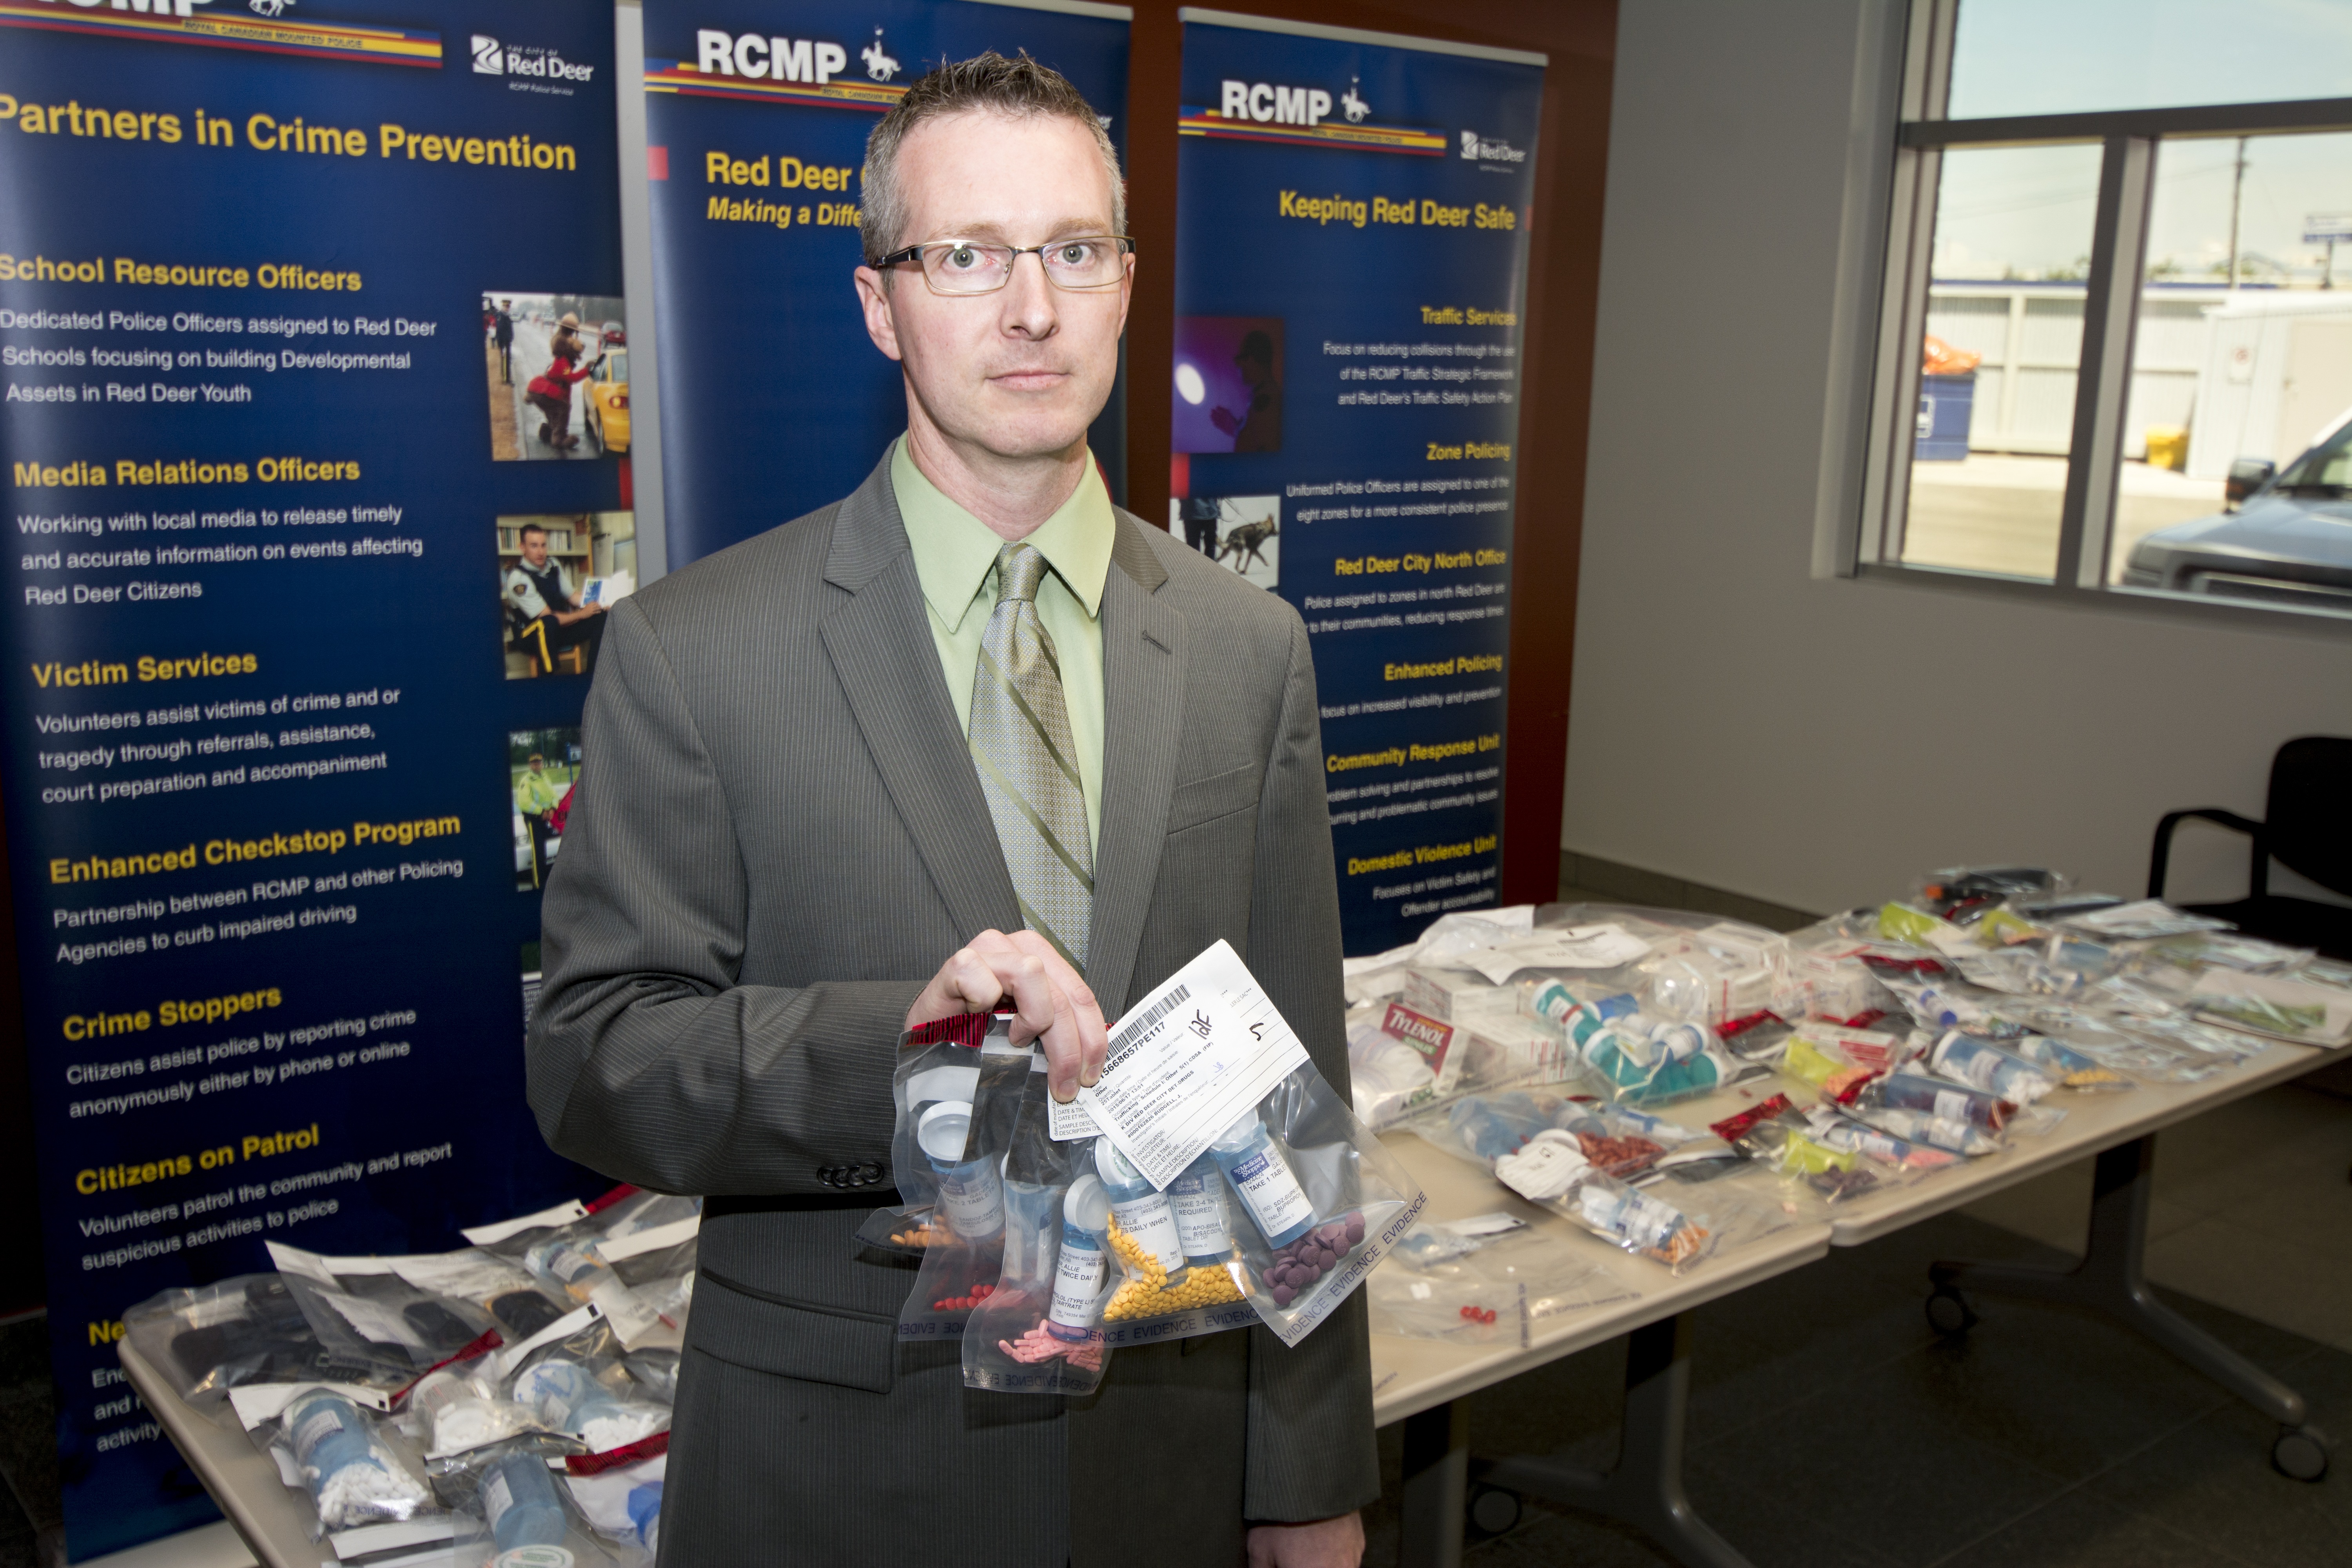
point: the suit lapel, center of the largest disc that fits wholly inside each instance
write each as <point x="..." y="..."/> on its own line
<point x="1143" y="719"/>
<point x="880" y="644"/>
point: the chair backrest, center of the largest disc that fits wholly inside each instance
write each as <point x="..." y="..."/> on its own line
<point x="2308" y="822"/>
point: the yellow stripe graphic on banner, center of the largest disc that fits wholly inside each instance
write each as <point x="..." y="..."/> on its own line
<point x="1360" y="138"/>
<point x="359" y="42"/>
<point x="679" y="77"/>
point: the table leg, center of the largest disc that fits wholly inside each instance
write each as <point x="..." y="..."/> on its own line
<point x="1437" y="1476"/>
<point x="1645" y="1489"/>
<point x="2111" y="1280"/>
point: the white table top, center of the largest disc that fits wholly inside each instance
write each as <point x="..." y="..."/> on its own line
<point x="1409" y="1375"/>
<point x="274" y="1521"/>
<point x="2094" y="1123"/>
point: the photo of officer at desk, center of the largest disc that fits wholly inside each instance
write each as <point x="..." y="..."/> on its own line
<point x="558" y="573"/>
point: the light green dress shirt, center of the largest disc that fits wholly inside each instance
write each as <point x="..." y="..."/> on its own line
<point x="955" y="558"/>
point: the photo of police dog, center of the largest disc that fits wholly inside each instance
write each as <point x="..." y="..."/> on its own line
<point x="557" y="371"/>
<point x="558" y="574"/>
<point x="1240" y="532"/>
<point x="541" y="767"/>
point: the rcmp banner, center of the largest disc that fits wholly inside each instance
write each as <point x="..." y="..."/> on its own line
<point x="775" y="401"/>
<point x="1351" y="302"/>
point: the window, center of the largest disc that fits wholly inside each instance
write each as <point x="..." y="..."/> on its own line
<point x="2115" y="349"/>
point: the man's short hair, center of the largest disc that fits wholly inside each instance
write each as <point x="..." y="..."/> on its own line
<point x="1256" y="345"/>
<point x="528" y="529"/>
<point x="988" y="83"/>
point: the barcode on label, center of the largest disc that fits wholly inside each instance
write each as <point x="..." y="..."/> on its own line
<point x="1137" y="1028"/>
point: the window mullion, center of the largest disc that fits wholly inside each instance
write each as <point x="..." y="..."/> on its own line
<point x="1927" y="58"/>
<point x="2103" y="383"/>
<point x="1902" y="328"/>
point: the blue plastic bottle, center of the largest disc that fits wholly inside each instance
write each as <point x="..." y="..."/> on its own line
<point x="1252" y="1161"/>
<point x="1204" y="1228"/>
<point x="520" y="1503"/>
<point x="1080" y="1270"/>
<point x="644" y="1514"/>
<point x="1143" y="1211"/>
<point x="330" y="1435"/>
<point x="564" y="1395"/>
<point x="971" y="1191"/>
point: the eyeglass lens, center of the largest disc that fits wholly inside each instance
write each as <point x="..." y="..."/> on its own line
<point x="957" y="267"/>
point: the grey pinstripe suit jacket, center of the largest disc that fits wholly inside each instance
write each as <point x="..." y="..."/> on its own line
<point x="778" y="838"/>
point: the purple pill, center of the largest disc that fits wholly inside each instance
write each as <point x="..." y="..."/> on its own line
<point x="1282" y="1295"/>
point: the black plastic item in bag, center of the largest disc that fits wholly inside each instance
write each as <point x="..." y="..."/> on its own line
<point x="212" y="1338"/>
<point x="368" y="1317"/>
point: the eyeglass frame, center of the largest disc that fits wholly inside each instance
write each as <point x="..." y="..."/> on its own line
<point x="915" y="253"/>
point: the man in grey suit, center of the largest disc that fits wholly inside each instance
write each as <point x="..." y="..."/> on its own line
<point x="970" y="699"/>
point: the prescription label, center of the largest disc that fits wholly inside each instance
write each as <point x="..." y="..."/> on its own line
<point x="1077" y="1281"/>
<point x="1198" y="1198"/>
<point x="1189" y="1061"/>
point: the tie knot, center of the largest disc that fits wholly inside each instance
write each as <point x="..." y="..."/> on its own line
<point x="1020" y="569"/>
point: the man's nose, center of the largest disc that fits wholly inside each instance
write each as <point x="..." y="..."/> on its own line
<point x="1030" y="307"/>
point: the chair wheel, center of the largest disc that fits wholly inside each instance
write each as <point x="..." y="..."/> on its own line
<point x="2300" y="1453"/>
<point x="1494" y="1510"/>
<point x="1949" y="1313"/>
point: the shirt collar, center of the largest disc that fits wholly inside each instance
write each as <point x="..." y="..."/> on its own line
<point x="955" y="552"/>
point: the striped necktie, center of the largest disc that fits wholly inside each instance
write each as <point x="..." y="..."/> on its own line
<point x="1028" y="764"/>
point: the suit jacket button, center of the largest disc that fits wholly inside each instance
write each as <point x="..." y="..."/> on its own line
<point x="872" y="1173"/>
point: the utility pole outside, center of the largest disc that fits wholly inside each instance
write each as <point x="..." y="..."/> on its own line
<point x="2237" y="193"/>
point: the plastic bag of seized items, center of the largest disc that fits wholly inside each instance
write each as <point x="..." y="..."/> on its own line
<point x="1480" y="1280"/>
<point x="1036" y="1328"/>
<point x="957" y="1085"/>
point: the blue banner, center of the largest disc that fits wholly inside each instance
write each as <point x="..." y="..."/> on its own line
<point x="315" y="440"/>
<point x="1350" y="298"/>
<point x="775" y="401"/>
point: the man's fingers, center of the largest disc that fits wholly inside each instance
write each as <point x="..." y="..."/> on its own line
<point x="1090" y="1037"/>
<point x="1052" y="1004"/>
<point x="965" y="983"/>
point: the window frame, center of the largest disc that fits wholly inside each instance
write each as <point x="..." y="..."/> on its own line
<point x="1896" y="208"/>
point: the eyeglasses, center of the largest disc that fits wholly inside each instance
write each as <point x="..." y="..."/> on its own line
<point x="967" y="267"/>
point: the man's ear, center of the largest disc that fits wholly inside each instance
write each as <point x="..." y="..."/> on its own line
<point x="874" y="298"/>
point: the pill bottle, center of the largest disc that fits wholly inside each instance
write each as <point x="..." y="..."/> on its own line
<point x="1252" y="1161"/>
<point x="519" y="1504"/>
<point x="572" y="1265"/>
<point x="1203" y="1229"/>
<point x="329" y="1436"/>
<point x="1078" y="1276"/>
<point x="1554" y="1004"/>
<point x="971" y="1192"/>
<point x="1143" y="1211"/>
<point x="565" y="1396"/>
<point x="644" y="1514"/>
<point x="437" y="1391"/>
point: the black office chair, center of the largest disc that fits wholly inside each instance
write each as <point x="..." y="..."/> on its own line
<point x="2307" y="828"/>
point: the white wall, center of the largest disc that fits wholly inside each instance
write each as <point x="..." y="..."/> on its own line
<point x="1816" y="741"/>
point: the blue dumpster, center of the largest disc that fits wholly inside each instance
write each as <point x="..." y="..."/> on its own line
<point x="1946" y="403"/>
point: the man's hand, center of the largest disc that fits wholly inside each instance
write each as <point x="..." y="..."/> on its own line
<point x="1048" y="1000"/>
<point x="1325" y="1543"/>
